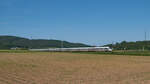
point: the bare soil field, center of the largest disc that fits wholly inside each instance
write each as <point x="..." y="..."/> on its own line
<point x="73" y="68"/>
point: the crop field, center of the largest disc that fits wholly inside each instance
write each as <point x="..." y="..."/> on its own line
<point x="73" y="68"/>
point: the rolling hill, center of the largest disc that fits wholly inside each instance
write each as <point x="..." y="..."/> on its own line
<point x="7" y="42"/>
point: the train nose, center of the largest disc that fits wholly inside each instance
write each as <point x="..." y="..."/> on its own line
<point x="110" y="50"/>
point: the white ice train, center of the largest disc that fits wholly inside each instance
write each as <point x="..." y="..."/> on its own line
<point x="83" y="49"/>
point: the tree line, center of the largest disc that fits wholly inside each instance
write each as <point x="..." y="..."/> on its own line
<point x="124" y="45"/>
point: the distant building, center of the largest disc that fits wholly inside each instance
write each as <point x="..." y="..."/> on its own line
<point x="15" y="48"/>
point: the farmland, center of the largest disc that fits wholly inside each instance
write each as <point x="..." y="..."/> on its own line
<point x="73" y="68"/>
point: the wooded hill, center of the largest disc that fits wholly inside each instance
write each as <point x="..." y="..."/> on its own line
<point x="138" y="45"/>
<point x="7" y="42"/>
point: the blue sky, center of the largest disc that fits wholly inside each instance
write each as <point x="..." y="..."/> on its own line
<point x="94" y="22"/>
